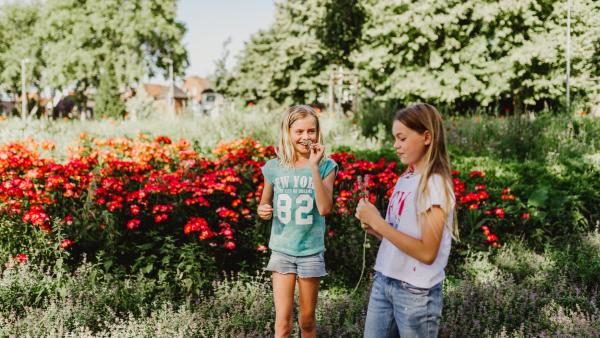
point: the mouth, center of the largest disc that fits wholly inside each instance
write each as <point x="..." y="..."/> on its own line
<point x="306" y="143"/>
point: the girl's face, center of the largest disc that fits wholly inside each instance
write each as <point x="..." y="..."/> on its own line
<point x="303" y="130"/>
<point x="410" y="145"/>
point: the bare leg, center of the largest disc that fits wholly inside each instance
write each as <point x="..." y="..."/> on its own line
<point x="308" y="291"/>
<point x="283" y="297"/>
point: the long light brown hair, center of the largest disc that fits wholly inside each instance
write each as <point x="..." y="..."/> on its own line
<point x="422" y="117"/>
<point x="286" y="151"/>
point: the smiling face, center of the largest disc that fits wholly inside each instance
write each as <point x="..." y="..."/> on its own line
<point x="303" y="132"/>
<point x="409" y="144"/>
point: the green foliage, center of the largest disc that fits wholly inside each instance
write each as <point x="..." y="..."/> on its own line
<point x="474" y="53"/>
<point x="554" y="289"/>
<point x="285" y="63"/>
<point x="78" y="38"/>
<point x="341" y="29"/>
<point x="19" y="40"/>
<point x="108" y="101"/>
<point x="459" y="54"/>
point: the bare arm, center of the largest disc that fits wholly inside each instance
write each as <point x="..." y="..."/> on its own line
<point x="265" y="208"/>
<point x="424" y="249"/>
<point x="370" y="231"/>
<point x="323" y="190"/>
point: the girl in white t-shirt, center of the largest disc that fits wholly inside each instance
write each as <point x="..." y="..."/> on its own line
<point x="416" y="234"/>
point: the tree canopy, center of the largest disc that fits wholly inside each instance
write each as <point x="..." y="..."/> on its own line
<point x="462" y="54"/>
<point x="69" y="42"/>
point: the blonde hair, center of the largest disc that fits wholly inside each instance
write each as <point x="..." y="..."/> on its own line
<point x="286" y="152"/>
<point x="422" y="117"/>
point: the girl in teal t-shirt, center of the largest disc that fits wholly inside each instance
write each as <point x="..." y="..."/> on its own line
<point x="297" y="195"/>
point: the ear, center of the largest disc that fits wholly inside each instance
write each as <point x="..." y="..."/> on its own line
<point x="427" y="137"/>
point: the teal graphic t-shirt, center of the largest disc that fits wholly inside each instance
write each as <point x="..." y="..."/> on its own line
<point x="297" y="229"/>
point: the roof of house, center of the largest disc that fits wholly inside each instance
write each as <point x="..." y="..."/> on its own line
<point x="161" y="92"/>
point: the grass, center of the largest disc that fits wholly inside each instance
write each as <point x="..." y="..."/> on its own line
<point x="514" y="292"/>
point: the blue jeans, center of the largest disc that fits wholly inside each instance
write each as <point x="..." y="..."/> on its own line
<point x="399" y="309"/>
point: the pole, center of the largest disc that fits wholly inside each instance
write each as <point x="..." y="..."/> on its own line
<point x="568" y="55"/>
<point x="172" y="88"/>
<point x="23" y="90"/>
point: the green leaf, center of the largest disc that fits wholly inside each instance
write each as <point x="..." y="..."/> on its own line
<point x="538" y="197"/>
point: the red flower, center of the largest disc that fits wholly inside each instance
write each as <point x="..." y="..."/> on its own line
<point x="67" y="243"/>
<point x="499" y="212"/>
<point x="261" y="248"/>
<point x="473" y="206"/>
<point x="492" y="238"/>
<point x="505" y="191"/>
<point x="113" y="206"/>
<point x="163" y="140"/>
<point x="479" y="173"/>
<point x="187" y="229"/>
<point x="227" y="233"/>
<point x="160" y="218"/>
<point x="525" y="216"/>
<point x="133" y="224"/>
<point x="69" y="219"/>
<point x="229" y="245"/>
<point x="330" y="233"/>
<point x="205" y="234"/>
<point x="21" y="258"/>
<point x="134" y="209"/>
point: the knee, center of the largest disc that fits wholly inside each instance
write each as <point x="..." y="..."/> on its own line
<point x="307" y="322"/>
<point x="283" y="327"/>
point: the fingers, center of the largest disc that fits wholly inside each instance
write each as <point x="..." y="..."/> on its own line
<point x="317" y="148"/>
<point x="265" y="211"/>
<point x="358" y="209"/>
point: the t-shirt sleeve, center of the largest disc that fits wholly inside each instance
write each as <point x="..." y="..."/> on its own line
<point x="436" y="192"/>
<point x="327" y="167"/>
<point x="267" y="171"/>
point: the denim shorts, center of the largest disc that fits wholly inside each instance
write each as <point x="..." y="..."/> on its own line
<point x="400" y="309"/>
<point x="303" y="266"/>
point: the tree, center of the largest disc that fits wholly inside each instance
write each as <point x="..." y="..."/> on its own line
<point x="135" y="37"/>
<point x="222" y="79"/>
<point x="285" y="63"/>
<point x="457" y="54"/>
<point x="19" y="41"/>
<point x="341" y="29"/>
<point x="468" y="54"/>
<point x="108" y="101"/>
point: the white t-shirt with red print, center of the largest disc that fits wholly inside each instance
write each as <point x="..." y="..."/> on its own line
<point x="402" y="215"/>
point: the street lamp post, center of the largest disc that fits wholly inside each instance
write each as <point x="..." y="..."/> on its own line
<point x="23" y="89"/>
<point x="568" y="56"/>
<point x="171" y="99"/>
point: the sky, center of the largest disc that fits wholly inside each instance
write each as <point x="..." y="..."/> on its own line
<point x="210" y="22"/>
